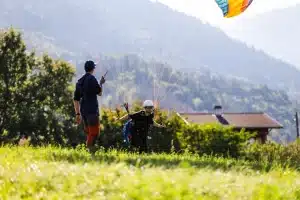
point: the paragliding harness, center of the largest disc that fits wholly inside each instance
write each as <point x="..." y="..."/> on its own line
<point x="127" y="128"/>
<point x="127" y="132"/>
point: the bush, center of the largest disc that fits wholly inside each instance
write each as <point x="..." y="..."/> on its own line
<point x="274" y="154"/>
<point x="34" y="95"/>
<point x="177" y="136"/>
<point x="213" y="139"/>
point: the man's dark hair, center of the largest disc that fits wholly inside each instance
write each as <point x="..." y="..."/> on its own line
<point x="89" y="66"/>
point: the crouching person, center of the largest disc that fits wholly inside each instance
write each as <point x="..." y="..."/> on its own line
<point x="141" y="122"/>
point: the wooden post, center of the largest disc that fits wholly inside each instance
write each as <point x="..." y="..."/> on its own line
<point x="297" y="124"/>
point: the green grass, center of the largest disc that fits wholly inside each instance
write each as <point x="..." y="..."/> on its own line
<point x="56" y="173"/>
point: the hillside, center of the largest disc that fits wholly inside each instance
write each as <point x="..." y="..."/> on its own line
<point x="42" y="44"/>
<point x="148" y="29"/>
<point x="275" y="32"/>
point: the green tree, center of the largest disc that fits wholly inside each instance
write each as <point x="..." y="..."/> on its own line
<point x="15" y="67"/>
<point x="36" y="94"/>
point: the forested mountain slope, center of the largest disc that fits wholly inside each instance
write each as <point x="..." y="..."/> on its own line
<point x="149" y="29"/>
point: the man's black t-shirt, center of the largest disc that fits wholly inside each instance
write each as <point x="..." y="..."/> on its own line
<point x="141" y="121"/>
<point x="87" y="89"/>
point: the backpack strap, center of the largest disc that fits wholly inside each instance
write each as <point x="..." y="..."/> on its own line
<point x="82" y="85"/>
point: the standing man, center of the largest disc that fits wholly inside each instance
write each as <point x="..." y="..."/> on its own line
<point x="141" y="122"/>
<point x="86" y="103"/>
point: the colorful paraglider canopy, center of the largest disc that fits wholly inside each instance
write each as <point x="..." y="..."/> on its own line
<point x="232" y="8"/>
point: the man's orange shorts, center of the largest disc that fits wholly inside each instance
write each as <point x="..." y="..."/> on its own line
<point x="91" y="127"/>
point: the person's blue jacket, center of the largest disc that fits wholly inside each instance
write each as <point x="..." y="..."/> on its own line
<point x="127" y="131"/>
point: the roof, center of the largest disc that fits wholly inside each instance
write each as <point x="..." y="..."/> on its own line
<point x="237" y="120"/>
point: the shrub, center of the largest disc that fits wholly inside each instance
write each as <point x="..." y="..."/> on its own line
<point x="213" y="139"/>
<point x="274" y="154"/>
<point x="177" y="136"/>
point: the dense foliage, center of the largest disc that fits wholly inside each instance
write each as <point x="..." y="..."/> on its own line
<point x="275" y="154"/>
<point x="178" y="136"/>
<point x="35" y="94"/>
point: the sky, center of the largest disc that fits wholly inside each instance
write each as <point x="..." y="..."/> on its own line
<point x="208" y="10"/>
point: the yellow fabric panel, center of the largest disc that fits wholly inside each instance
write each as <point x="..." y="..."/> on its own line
<point x="235" y="7"/>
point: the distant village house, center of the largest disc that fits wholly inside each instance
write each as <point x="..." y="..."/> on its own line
<point x="258" y="122"/>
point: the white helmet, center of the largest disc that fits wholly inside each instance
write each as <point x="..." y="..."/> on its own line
<point x="148" y="103"/>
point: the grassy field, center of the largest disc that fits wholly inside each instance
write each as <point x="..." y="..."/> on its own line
<point x="55" y="173"/>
